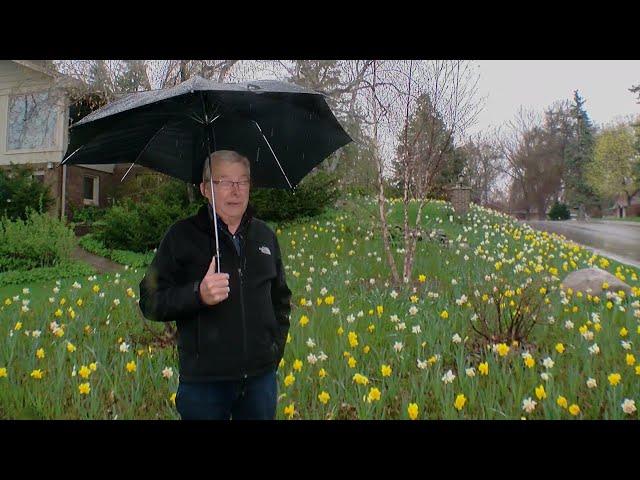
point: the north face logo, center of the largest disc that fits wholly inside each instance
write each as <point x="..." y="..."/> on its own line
<point x="265" y="250"/>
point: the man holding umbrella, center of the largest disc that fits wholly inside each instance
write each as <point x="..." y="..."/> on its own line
<point x="218" y="274"/>
<point x="233" y="325"/>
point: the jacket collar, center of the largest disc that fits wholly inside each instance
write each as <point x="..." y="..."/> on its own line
<point x="204" y="219"/>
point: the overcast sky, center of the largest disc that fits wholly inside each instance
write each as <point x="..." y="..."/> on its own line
<point x="536" y="84"/>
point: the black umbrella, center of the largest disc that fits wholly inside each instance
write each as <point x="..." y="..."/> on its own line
<point x="283" y="129"/>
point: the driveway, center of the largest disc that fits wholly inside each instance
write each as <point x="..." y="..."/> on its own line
<point x="617" y="240"/>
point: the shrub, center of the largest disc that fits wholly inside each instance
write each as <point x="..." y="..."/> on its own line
<point x="559" y="211"/>
<point x="496" y="319"/>
<point x="39" y="241"/>
<point x="123" y="257"/>
<point x="87" y="214"/>
<point x="310" y="198"/>
<point x="19" y="191"/>
<point x="153" y="203"/>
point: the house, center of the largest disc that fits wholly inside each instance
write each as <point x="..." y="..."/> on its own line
<point x="35" y="104"/>
<point x="622" y="207"/>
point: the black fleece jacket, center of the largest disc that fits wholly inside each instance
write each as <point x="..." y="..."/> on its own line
<point x="245" y="334"/>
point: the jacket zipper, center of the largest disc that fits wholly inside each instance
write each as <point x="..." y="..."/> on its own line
<point x="244" y="325"/>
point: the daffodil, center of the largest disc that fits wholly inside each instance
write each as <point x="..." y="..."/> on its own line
<point x="413" y="411"/>
<point x="460" y="402"/>
<point x="614" y="378"/>
<point x="374" y="395"/>
<point x="324" y="397"/>
<point x="290" y="411"/>
<point x="289" y="379"/>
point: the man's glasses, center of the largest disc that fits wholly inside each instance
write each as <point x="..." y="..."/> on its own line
<point x="228" y="184"/>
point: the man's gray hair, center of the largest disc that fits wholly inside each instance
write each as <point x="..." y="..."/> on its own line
<point x="230" y="156"/>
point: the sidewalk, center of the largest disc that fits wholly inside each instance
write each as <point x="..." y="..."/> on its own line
<point x="101" y="264"/>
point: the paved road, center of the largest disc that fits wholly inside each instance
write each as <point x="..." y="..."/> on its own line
<point x="617" y="240"/>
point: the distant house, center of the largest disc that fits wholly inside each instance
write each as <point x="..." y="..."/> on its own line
<point x="34" y="120"/>
<point x="623" y="208"/>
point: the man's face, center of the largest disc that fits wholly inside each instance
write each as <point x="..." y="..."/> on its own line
<point x="231" y="202"/>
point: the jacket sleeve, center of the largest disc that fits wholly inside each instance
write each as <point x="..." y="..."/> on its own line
<point x="161" y="298"/>
<point x="281" y="299"/>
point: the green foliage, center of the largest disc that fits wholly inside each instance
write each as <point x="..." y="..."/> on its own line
<point x="139" y="222"/>
<point x="448" y="176"/>
<point x="310" y="198"/>
<point x="559" y="211"/>
<point x="425" y="149"/>
<point x="123" y="257"/>
<point x="65" y="269"/>
<point x="19" y="191"/>
<point x="87" y="214"/>
<point x="93" y="245"/>
<point x="578" y="154"/>
<point x="39" y="241"/>
<point x="611" y="171"/>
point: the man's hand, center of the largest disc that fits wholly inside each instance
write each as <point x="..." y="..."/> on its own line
<point x="214" y="287"/>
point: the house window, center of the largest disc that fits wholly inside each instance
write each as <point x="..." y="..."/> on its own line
<point x="31" y="122"/>
<point x="90" y="188"/>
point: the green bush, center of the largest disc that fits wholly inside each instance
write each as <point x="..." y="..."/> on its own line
<point x="39" y="241"/>
<point x="310" y="198"/>
<point x="138" y="223"/>
<point x="93" y="245"/>
<point x="65" y="269"/>
<point x="559" y="211"/>
<point x="123" y="257"/>
<point x="19" y="191"/>
<point x="87" y="214"/>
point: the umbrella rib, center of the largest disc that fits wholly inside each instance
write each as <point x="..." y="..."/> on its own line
<point x="144" y="150"/>
<point x="127" y="172"/>
<point x="74" y="152"/>
<point x="274" y="155"/>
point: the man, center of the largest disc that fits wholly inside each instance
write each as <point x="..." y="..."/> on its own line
<point x="232" y="326"/>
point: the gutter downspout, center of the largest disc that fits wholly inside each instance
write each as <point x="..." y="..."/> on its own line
<point x="64" y="190"/>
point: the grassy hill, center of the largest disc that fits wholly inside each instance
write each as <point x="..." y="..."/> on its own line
<point x="359" y="346"/>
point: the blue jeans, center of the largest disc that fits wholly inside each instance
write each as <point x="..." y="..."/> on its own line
<point x="253" y="398"/>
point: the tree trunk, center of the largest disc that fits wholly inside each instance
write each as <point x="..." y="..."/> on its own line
<point x="540" y="205"/>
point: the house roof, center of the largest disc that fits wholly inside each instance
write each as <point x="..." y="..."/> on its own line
<point x="34" y="65"/>
<point x="65" y="80"/>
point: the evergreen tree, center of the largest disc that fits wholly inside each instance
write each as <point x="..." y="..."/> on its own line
<point x="578" y="154"/>
<point x="425" y="136"/>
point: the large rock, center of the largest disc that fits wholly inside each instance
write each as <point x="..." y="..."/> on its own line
<point x="590" y="280"/>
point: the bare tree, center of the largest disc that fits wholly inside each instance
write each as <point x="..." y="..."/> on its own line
<point x="533" y="148"/>
<point x="482" y="170"/>
<point x="515" y="146"/>
<point x="395" y="93"/>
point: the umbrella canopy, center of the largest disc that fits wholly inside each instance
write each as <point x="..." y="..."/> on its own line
<point x="283" y="129"/>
